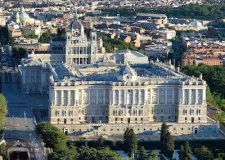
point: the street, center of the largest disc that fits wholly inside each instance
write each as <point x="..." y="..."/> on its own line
<point x="20" y="122"/>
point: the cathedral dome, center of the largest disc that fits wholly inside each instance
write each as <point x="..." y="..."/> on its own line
<point x="77" y="27"/>
<point x="76" y="24"/>
<point x="24" y="15"/>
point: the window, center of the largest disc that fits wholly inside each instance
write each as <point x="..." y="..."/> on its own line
<point x="192" y="112"/>
<point x="115" y="119"/>
<point x="185" y="118"/>
<point x="162" y="96"/>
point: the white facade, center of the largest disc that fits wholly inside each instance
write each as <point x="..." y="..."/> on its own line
<point x="80" y="50"/>
<point x="84" y="94"/>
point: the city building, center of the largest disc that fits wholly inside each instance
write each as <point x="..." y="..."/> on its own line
<point x="91" y="98"/>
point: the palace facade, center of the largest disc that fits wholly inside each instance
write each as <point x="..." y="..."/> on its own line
<point x="93" y="97"/>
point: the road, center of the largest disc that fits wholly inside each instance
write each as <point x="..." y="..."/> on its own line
<point x="20" y="122"/>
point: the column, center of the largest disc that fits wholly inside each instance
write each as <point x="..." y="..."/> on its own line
<point x="165" y="95"/>
<point x="119" y="97"/>
<point x="134" y="92"/>
<point x="125" y="96"/>
<point x="183" y="100"/>
<point x="89" y="95"/>
<point x="82" y="101"/>
<point x="69" y="98"/>
<point x="112" y="96"/>
<point x="55" y="98"/>
<point x="62" y="97"/>
<point x="189" y="98"/>
<point x="96" y="96"/>
<point x="204" y="96"/>
<point x="196" y="96"/>
<point x="75" y="98"/>
<point x="173" y="96"/>
<point x="157" y="95"/>
<point x="104" y="96"/>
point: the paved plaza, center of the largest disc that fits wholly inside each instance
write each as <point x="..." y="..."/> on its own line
<point x="20" y="122"/>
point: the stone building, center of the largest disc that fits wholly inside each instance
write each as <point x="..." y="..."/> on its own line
<point x="80" y="50"/>
<point x="93" y="98"/>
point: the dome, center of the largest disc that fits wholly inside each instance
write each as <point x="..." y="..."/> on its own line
<point x="23" y="14"/>
<point x="77" y="28"/>
<point x="76" y="24"/>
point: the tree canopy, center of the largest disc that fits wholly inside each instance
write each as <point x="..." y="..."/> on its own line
<point x="166" y="140"/>
<point x="19" y="53"/>
<point x="112" y="44"/>
<point x="51" y="136"/>
<point x="65" y="154"/>
<point x="4" y="36"/>
<point x="88" y="153"/>
<point x="185" y="152"/>
<point x="47" y="36"/>
<point x="196" y="11"/>
<point x="3" y="110"/>
<point x="204" y="153"/>
<point x="130" y="142"/>
<point x="142" y="154"/>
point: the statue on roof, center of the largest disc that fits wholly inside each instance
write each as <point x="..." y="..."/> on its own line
<point x="128" y="74"/>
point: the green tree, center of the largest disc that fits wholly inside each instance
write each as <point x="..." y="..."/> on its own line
<point x="169" y="144"/>
<point x="130" y="142"/>
<point x="5" y="38"/>
<point x="46" y="37"/>
<point x="87" y="153"/>
<point x="19" y="53"/>
<point x="52" y="136"/>
<point x="185" y="152"/>
<point x="166" y="140"/>
<point x="100" y="141"/>
<point x="3" y="110"/>
<point x="3" y="150"/>
<point x="204" y="153"/>
<point x="31" y="36"/>
<point x="62" y="155"/>
<point x="154" y="155"/>
<point x="164" y="129"/>
<point x="142" y="154"/>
